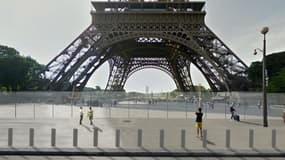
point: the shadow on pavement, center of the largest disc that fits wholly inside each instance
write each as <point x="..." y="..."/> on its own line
<point x="90" y="129"/>
<point x="250" y="123"/>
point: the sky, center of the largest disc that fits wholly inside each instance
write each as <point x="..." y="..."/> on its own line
<point x="43" y="28"/>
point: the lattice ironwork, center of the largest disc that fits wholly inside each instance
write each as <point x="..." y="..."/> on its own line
<point x="134" y="35"/>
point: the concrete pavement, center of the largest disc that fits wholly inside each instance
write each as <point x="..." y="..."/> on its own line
<point x="215" y="125"/>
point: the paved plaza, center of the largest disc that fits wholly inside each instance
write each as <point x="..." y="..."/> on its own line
<point x="215" y="124"/>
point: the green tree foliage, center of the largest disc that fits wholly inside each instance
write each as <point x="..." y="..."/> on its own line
<point x="275" y="63"/>
<point x="277" y="83"/>
<point x="5" y="51"/>
<point x="17" y="73"/>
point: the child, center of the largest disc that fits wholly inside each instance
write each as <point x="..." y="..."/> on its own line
<point x="198" y="124"/>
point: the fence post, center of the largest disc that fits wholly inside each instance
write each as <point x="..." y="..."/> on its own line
<point x="52" y="111"/>
<point x="75" y="137"/>
<point x="34" y="110"/>
<point x="228" y="138"/>
<point x="274" y="138"/>
<point x="10" y="137"/>
<point x="110" y="112"/>
<point x="31" y="137"/>
<point x="204" y="138"/>
<point x="117" y="139"/>
<point x="251" y="138"/>
<point x="95" y="137"/>
<point x="139" y="137"/>
<point x="15" y="105"/>
<point x="71" y="110"/>
<point x="53" y="137"/>
<point x="183" y="138"/>
<point x="161" y="138"/>
<point x="15" y="110"/>
<point x="128" y="110"/>
<point x="147" y="111"/>
<point x="167" y="105"/>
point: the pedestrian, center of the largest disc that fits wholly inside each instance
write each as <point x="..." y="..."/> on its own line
<point x="198" y="125"/>
<point x="81" y="115"/>
<point x="90" y="115"/>
<point x="232" y="110"/>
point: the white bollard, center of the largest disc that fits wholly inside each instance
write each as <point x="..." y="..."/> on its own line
<point x="53" y="137"/>
<point x="10" y="137"/>
<point x="183" y="138"/>
<point x="95" y="137"/>
<point x="75" y="137"/>
<point x="31" y="137"/>
<point x="117" y="143"/>
<point x="139" y="137"/>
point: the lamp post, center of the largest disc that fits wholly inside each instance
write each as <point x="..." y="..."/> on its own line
<point x="263" y="31"/>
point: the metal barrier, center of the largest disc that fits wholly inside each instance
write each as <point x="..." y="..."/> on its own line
<point x="52" y="105"/>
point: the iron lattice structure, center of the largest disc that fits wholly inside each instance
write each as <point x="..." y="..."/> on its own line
<point x="134" y="35"/>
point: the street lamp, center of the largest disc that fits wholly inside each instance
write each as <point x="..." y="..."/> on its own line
<point x="263" y="31"/>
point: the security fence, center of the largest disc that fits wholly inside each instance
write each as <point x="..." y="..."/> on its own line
<point x="40" y="105"/>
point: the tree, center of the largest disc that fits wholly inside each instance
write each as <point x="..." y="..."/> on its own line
<point x="276" y="83"/>
<point x="275" y="65"/>
<point x="18" y="73"/>
<point x="5" y="51"/>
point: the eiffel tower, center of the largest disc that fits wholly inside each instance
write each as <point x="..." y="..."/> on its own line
<point x="133" y="35"/>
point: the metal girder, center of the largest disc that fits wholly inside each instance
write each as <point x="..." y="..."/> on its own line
<point x="132" y="39"/>
<point x="66" y="67"/>
<point x="119" y="68"/>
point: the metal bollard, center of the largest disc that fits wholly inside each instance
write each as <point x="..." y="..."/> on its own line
<point x="161" y="135"/>
<point x="31" y="137"/>
<point x="204" y="138"/>
<point x="183" y="138"/>
<point x="75" y="137"/>
<point x="10" y="137"/>
<point x="117" y="138"/>
<point x="251" y="138"/>
<point x="95" y="137"/>
<point x="274" y="138"/>
<point x="228" y="138"/>
<point x="139" y="137"/>
<point x="53" y="137"/>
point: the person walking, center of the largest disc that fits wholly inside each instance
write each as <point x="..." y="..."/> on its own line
<point x="90" y="115"/>
<point x="198" y="124"/>
<point x="81" y="115"/>
<point x="232" y="110"/>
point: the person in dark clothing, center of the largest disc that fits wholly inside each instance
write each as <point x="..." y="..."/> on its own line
<point x="81" y="115"/>
<point x="199" y="117"/>
<point x="232" y="110"/>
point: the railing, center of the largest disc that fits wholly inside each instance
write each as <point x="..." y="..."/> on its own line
<point x="58" y="105"/>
